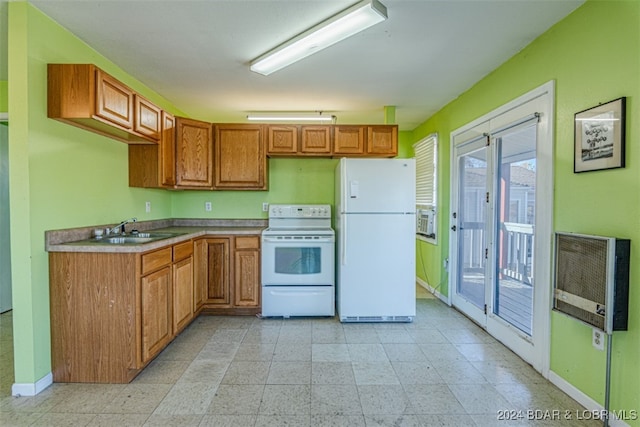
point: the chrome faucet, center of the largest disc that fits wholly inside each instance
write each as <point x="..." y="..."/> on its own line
<point x="119" y="229"/>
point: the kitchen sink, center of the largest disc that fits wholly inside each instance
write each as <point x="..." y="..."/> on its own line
<point x="138" y="238"/>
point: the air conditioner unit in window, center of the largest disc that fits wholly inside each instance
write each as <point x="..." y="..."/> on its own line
<point x="425" y="222"/>
<point x="592" y="280"/>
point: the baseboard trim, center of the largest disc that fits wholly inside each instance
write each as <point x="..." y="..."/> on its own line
<point x="435" y="293"/>
<point x="31" y="389"/>
<point x="583" y="399"/>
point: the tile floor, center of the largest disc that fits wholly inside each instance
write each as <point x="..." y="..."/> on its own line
<point x="440" y="370"/>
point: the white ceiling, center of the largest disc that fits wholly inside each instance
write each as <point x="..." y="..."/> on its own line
<point x="196" y="53"/>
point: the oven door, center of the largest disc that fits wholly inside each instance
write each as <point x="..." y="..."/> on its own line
<point x="297" y="261"/>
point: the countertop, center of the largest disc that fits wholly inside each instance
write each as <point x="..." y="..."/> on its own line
<point x="82" y="240"/>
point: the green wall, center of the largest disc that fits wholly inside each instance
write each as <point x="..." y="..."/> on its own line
<point x="593" y="55"/>
<point x="290" y="181"/>
<point x="60" y="176"/>
<point x="3" y="97"/>
<point x="67" y="177"/>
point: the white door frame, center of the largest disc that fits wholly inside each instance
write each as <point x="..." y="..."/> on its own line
<point x="535" y="349"/>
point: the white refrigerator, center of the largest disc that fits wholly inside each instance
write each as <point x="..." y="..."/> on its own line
<point x="375" y="239"/>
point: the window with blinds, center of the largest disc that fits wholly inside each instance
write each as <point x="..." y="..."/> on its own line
<point x="426" y="168"/>
<point x="426" y="152"/>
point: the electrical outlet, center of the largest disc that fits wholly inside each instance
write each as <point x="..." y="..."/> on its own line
<point x="265" y="207"/>
<point x="207" y="206"/>
<point x="147" y="207"/>
<point x="597" y="339"/>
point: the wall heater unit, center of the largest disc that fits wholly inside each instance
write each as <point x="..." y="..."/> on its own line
<point x="592" y="280"/>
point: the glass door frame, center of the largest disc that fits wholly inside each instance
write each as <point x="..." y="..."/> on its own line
<point x="535" y="349"/>
<point x="475" y="312"/>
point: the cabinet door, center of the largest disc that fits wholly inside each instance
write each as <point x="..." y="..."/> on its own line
<point x="382" y="140"/>
<point x="348" y="140"/>
<point x="247" y="271"/>
<point x="182" y="294"/>
<point x="114" y="101"/>
<point x="200" y="273"/>
<point x="282" y="140"/>
<point x="194" y="159"/>
<point x="167" y="153"/>
<point x="240" y="159"/>
<point x="218" y="283"/>
<point x="155" y="296"/>
<point x="316" y="140"/>
<point x="147" y="118"/>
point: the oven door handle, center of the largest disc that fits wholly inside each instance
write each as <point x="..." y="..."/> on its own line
<point x="297" y="241"/>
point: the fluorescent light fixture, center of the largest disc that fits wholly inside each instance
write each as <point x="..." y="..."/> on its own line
<point x="356" y="18"/>
<point x="290" y="117"/>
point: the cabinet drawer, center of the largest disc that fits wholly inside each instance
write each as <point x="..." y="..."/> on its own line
<point x="182" y="250"/>
<point x="247" y="242"/>
<point x="154" y="260"/>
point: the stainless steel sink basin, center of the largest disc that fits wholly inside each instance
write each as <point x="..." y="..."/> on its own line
<point x="135" y="238"/>
<point x="127" y="239"/>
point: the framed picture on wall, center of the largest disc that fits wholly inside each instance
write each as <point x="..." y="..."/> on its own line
<point x="599" y="137"/>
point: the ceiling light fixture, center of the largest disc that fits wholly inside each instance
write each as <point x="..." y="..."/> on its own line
<point x="350" y="21"/>
<point x="317" y="116"/>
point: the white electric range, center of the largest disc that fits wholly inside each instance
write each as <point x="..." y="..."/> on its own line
<point x="298" y="254"/>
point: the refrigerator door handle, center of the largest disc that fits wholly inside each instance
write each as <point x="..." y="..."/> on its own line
<point x="343" y="240"/>
<point x="343" y="219"/>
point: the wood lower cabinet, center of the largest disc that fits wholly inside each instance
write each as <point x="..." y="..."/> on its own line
<point x="217" y="289"/>
<point x="183" y="300"/>
<point x="95" y="317"/>
<point x="83" y="95"/>
<point x="155" y="312"/>
<point x="246" y="277"/>
<point x="112" y="313"/>
<point x="240" y="161"/>
<point x="228" y="274"/>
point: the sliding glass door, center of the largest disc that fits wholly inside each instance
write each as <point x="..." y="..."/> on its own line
<point x="501" y="212"/>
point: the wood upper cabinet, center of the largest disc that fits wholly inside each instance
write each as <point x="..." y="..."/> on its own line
<point x="154" y="166"/>
<point x="83" y="95"/>
<point x="366" y="141"/>
<point x="282" y="140"/>
<point x="295" y="141"/>
<point x="166" y="157"/>
<point x="240" y="161"/>
<point x="114" y="101"/>
<point x="316" y="140"/>
<point x="194" y="148"/>
<point x="349" y="140"/>
<point x="382" y="140"/>
<point x="227" y="270"/>
<point x="147" y="118"/>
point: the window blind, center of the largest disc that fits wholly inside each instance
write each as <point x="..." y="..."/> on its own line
<point x="426" y="170"/>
